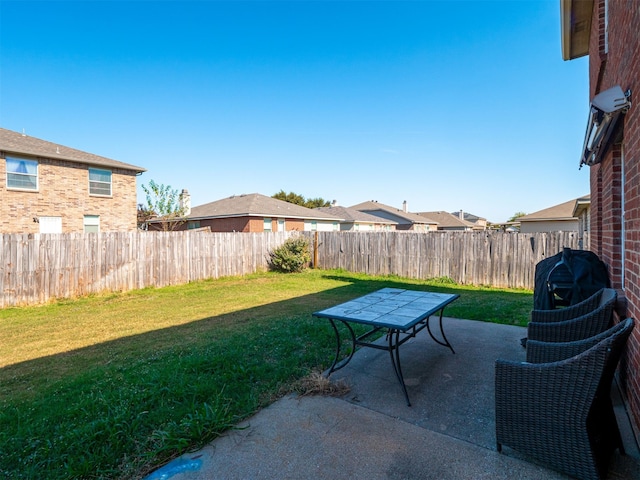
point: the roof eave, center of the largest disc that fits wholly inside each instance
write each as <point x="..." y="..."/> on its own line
<point x="64" y="158"/>
<point x="549" y="219"/>
<point x="575" y="25"/>
<point x="581" y="206"/>
<point x="260" y="215"/>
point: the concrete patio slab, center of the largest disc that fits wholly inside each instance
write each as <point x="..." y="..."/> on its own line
<point x="371" y="433"/>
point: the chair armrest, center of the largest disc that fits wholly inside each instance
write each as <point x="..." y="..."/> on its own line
<point x="567" y="313"/>
<point x="577" y="328"/>
<point x="525" y="390"/>
<point x="544" y="352"/>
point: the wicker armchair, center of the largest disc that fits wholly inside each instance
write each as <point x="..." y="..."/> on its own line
<point x="560" y="413"/>
<point x="561" y="326"/>
<point x="604" y="296"/>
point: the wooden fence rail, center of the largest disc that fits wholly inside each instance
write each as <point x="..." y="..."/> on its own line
<point x="35" y="268"/>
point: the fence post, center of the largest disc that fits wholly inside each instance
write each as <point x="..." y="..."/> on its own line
<point x="315" y="250"/>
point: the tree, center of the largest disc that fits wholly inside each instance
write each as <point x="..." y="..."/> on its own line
<point x="289" y="197"/>
<point x="515" y="216"/>
<point x="163" y="206"/>
<point x="300" y="200"/>
<point x="144" y="215"/>
<point x="317" y="202"/>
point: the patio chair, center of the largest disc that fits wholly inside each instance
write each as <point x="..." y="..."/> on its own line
<point x="602" y="297"/>
<point x="558" y="326"/>
<point x="560" y="413"/>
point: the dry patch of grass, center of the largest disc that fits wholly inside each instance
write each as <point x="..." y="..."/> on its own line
<point x="317" y="384"/>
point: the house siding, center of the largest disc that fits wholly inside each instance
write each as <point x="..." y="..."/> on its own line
<point x="63" y="191"/>
<point x="549" y="226"/>
<point x="615" y="190"/>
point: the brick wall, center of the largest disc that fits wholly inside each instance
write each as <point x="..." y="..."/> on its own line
<point x="617" y="62"/>
<point x="294" y="225"/>
<point x="239" y="224"/>
<point x="246" y="224"/>
<point x="63" y="191"/>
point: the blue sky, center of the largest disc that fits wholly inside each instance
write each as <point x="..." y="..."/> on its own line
<point x="449" y="105"/>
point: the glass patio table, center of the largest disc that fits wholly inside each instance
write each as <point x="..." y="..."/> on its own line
<point x="398" y="312"/>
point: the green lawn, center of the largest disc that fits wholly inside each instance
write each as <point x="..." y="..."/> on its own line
<point x="114" y="386"/>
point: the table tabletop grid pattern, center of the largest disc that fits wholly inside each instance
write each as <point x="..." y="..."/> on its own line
<point x="389" y="307"/>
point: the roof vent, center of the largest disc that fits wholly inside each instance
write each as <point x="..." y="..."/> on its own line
<point x="605" y="111"/>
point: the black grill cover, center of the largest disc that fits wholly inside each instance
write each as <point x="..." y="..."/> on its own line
<point x="568" y="277"/>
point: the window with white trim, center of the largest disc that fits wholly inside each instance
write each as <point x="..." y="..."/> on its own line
<point x="91" y="223"/>
<point x="22" y="174"/>
<point x="99" y="182"/>
<point x="267" y="225"/>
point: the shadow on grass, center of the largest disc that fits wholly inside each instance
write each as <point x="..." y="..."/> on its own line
<point x="121" y="408"/>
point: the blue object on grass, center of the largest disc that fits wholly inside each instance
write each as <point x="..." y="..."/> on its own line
<point x="174" y="467"/>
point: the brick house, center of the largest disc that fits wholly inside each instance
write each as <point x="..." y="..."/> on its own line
<point x="608" y="31"/>
<point x="50" y="188"/>
<point x="257" y="213"/>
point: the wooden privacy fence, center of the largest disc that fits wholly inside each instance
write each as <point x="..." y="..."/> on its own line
<point x="505" y="260"/>
<point x="35" y="268"/>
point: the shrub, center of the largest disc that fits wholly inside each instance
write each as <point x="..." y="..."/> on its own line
<point x="292" y="256"/>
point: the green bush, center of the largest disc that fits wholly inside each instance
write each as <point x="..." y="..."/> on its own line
<point x="292" y="256"/>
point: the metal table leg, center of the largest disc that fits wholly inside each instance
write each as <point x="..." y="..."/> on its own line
<point x="337" y="365"/>
<point x="394" y="352"/>
<point x="444" y="343"/>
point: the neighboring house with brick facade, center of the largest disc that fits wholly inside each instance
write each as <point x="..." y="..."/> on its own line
<point x="609" y="32"/>
<point x="258" y="213"/>
<point x="404" y="219"/>
<point x="357" y="221"/>
<point x="50" y="188"/>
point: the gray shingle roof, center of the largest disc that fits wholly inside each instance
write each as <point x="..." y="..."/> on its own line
<point x="468" y="217"/>
<point x="256" y="205"/>
<point x="392" y="213"/>
<point x="563" y="211"/>
<point x="19" y="144"/>
<point x="351" y="215"/>
<point x="446" y="219"/>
